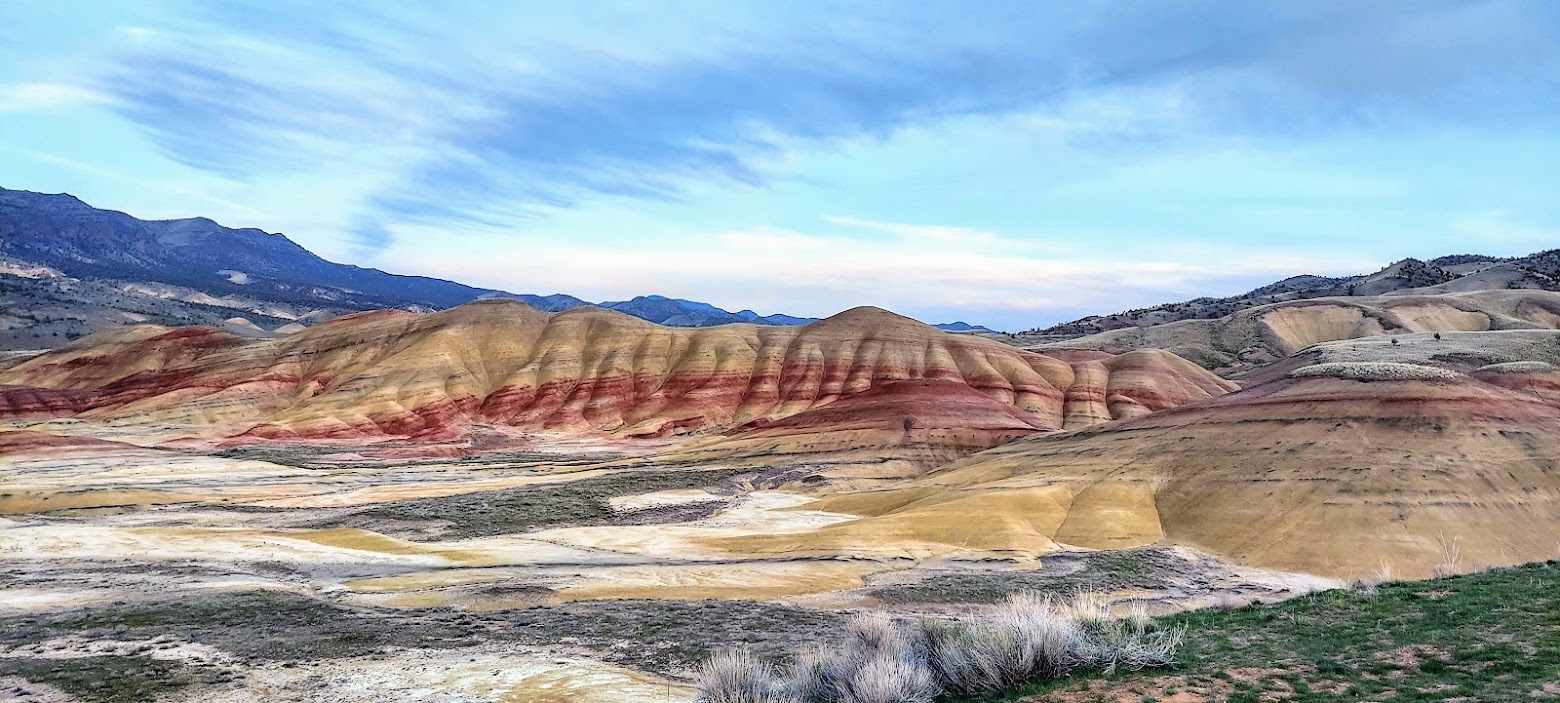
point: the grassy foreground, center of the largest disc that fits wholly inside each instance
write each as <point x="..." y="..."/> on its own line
<point x="1492" y="636"/>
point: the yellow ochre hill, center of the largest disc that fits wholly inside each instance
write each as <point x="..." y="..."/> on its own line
<point x="395" y="374"/>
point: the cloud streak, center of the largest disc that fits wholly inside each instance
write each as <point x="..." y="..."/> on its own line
<point x="509" y="131"/>
<point x="1034" y="158"/>
<point x="806" y="273"/>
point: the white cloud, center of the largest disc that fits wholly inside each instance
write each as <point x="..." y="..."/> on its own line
<point x="934" y="232"/>
<point x="18" y="97"/>
<point x="800" y="273"/>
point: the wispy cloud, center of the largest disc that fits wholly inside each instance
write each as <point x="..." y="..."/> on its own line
<point x="112" y="174"/>
<point x="495" y="130"/>
<point x="1037" y="158"/>
<point x="18" y="97"/>
<point x="778" y="269"/>
<point x="941" y="233"/>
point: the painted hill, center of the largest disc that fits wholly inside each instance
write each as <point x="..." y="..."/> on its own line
<point x="1341" y="469"/>
<point x="892" y="431"/>
<point x="429" y="376"/>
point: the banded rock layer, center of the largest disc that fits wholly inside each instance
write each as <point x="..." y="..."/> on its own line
<point x="1321" y="474"/>
<point x="893" y="431"/>
<point x="429" y="376"/>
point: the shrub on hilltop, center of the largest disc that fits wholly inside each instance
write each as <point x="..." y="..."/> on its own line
<point x="1375" y="371"/>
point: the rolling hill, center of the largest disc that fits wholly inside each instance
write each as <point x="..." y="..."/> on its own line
<point x="1358" y="458"/>
<point x="1458" y="273"/>
<point x="1259" y="335"/>
<point x="431" y="376"/>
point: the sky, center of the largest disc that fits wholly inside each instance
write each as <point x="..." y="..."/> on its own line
<point x="1013" y="164"/>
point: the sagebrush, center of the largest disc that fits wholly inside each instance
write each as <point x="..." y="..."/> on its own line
<point x="1026" y="639"/>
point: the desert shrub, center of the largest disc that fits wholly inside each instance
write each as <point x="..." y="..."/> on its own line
<point x="737" y="676"/>
<point x="1026" y="639"/>
<point x="877" y="661"/>
<point x="1375" y="371"/>
<point x="1132" y="643"/>
<point x="890" y="680"/>
<point x="815" y="676"/>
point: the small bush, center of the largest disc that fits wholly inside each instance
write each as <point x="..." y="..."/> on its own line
<point x="1375" y="371"/>
<point x="891" y="680"/>
<point x="878" y="661"/>
<point x="739" y="677"/>
<point x="1133" y="645"/>
<point x="1026" y="639"/>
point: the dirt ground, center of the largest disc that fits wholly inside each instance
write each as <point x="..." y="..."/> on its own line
<point x="291" y="575"/>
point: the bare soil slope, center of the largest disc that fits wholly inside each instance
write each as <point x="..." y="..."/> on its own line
<point x="1320" y="473"/>
<point x="433" y="376"/>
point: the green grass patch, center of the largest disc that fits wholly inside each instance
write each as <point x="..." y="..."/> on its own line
<point x="579" y="502"/>
<point x="112" y="679"/>
<point x="1493" y="636"/>
<point x="1097" y="571"/>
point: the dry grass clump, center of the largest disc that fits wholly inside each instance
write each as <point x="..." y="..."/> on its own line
<point x="1375" y="371"/>
<point x="737" y="676"/>
<point x="1451" y="557"/>
<point x="1028" y="638"/>
<point x="1519" y="367"/>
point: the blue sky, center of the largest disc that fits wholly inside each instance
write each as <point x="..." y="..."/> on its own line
<point x="1012" y="164"/>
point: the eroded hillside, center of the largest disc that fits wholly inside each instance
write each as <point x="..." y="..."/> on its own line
<point x="501" y="363"/>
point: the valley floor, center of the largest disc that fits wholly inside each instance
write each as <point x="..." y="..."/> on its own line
<point x="576" y="572"/>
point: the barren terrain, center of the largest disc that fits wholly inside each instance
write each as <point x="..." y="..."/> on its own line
<point x="577" y="571"/>
<point x="497" y="504"/>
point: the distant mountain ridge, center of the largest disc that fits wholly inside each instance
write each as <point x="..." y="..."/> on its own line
<point x="1447" y="274"/>
<point x="677" y="312"/>
<point x="64" y="233"/>
<point x="67" y="269"/>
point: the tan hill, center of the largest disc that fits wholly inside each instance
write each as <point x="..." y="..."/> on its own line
<point x="1448" y="274"/>
<point x="1261" y="334"/>
<point x="431" y="376"/>
<point x="1341" y="469"/>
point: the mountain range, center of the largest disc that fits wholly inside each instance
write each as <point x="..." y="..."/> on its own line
<point x="68" y="269"/>
<point x="1458" y="273"/>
